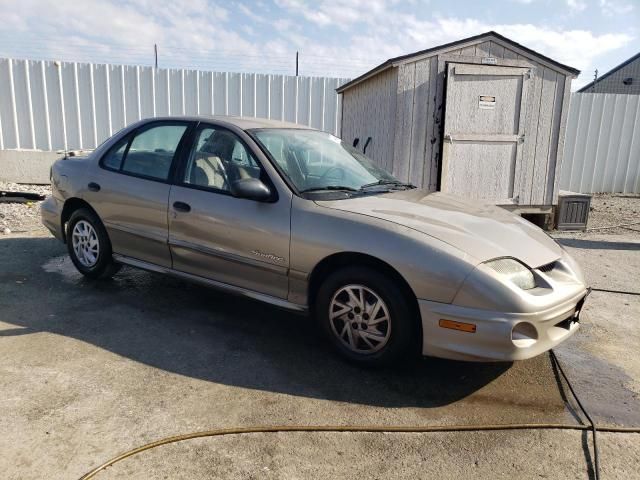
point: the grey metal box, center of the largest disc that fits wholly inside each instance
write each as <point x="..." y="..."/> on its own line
<point x="573" y="211"/>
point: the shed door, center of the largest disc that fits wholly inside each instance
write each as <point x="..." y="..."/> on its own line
<point x="483" y="131"/>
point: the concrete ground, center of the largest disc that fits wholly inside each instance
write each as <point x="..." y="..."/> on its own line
<point x="89" y="370"/>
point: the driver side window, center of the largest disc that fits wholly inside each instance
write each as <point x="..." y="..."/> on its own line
<point x="217" y="159"/>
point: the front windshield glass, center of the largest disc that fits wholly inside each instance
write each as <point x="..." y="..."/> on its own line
<point x="316" y="161"/>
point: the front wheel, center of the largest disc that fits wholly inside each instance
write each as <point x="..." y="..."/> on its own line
<point x="89" y="246"/>
<point x="367" y="317"/>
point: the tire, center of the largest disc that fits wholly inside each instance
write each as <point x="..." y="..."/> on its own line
<point x="363" y="336"/>
<point x="89" y="245"/>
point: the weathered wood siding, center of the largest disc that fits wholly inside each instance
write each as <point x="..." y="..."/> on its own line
<point x="546" y="113"/>
<point x="482" y="147"/>
<point x="369" y="110"/>
<point x="414" y="89"/>
<point x="402" y="110"/>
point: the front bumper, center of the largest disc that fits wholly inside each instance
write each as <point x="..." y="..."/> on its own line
<point x="492" y="338"/>
<point x="51" y="213"/>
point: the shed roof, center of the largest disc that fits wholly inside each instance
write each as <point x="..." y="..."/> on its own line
<point x="407" y="58"/>
<point x="613" y="70"/>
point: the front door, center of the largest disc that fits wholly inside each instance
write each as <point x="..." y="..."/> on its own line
<point x="483" y="131"/>
<point x="130" y="190"/>
<point x="212" y="234"/>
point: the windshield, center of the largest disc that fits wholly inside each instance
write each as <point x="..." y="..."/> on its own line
<point x="316" y="161"/>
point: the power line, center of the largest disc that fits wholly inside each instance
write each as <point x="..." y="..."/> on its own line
<point x="278" y="61"/>
<point x="198" y="58"/>
<point x="116" y="49"/>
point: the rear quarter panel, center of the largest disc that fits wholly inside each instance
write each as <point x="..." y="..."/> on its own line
<point x="69" y="177"/>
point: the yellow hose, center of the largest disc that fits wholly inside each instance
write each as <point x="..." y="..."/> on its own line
<point x="352" y="429"/>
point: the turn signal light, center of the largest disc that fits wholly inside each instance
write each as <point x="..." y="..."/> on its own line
<point x="453" y="325"/>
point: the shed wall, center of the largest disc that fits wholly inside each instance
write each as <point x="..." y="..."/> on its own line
<point x="418" y="120"/>
<point x="369" y="110"/>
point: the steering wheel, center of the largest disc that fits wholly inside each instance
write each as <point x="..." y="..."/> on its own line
<point x="329" y="170"/>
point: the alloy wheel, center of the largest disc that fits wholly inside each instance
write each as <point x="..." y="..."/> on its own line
<point x="360" y="319"/>
<point x="86" y="246"/>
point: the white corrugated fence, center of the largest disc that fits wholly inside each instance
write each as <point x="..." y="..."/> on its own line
<point x="602" y="146"/>
<point x="47" y="105"/>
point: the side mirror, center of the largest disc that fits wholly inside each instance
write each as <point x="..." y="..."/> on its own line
<point x="251" y="189"/>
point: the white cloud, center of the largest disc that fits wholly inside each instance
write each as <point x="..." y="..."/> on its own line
<point x="206" y="34"/>
<point x="339" y="13"/>
<point x="391" y="32"/>
<point x="613" y="7"/>
<point x="125" y="31"/>
<point x="577" y="5"/>
<point x="574" y="47"/>
<point x="255" y="17"/>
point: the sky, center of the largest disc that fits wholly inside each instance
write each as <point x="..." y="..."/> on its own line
<point x="341" y="38"/>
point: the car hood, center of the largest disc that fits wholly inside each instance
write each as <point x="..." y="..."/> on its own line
<point x="478" y="229"/>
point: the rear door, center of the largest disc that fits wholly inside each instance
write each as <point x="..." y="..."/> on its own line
<point x="484" y="131"/>
<point x="130" y="190"/>
<point x="212" y="234"/>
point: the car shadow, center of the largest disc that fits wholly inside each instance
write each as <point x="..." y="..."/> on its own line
<point x="201" y="333"/>
<point x="598" y="244"/>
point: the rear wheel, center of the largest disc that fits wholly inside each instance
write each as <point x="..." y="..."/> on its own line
<point x="89" y="246"/>
<point x="367" y="317"/>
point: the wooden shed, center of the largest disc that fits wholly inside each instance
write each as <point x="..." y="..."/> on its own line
<point x="482" y="117"/>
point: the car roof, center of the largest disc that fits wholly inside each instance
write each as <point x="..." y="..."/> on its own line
<point x="244" y="123"/>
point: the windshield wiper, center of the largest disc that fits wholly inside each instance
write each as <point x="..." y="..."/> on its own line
<point x="330" y="187"/>
<point x="394" y="183"/>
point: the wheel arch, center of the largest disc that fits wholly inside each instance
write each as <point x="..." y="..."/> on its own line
<point x="355" y="259"/>
<point x="71" y="205"/>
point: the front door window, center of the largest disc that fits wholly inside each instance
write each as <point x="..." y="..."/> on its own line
<point x="218" y="158"/>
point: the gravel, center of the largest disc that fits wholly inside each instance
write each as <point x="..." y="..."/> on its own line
<point x="615" y="209"/>
<point x="21" y="217"/>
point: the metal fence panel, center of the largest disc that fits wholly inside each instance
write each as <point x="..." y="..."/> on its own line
<point x="602" y="147"/>
<point x="48" y="105"/>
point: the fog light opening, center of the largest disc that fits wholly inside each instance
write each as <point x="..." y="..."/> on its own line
<point x="524" y="335"/>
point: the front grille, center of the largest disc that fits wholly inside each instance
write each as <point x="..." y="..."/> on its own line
<point x="548" y="267"/>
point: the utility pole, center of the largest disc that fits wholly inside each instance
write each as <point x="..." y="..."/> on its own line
<point x="155" y="51"/>
<point x="595" y="80"/>
<point x="296" y="64"/>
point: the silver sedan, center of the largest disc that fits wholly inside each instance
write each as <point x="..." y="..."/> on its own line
<point x="297" y="218"/>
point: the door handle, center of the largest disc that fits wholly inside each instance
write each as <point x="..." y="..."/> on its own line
<point x="181" y="207"/>
<point x="94" y="187"/>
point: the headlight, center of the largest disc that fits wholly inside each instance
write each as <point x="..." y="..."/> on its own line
<point x="513" y="271"/>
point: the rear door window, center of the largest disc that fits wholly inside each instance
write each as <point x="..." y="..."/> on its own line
<point x="152" y="151"/>
<point x="113" y="159"/>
